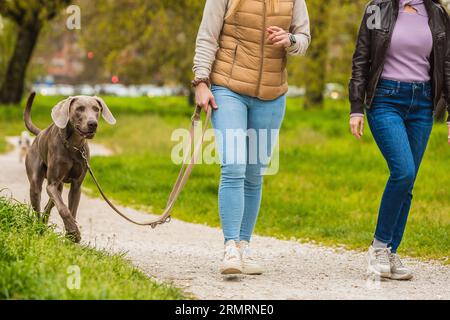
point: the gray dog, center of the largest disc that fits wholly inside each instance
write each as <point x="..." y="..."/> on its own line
<point x="55" y="154"/>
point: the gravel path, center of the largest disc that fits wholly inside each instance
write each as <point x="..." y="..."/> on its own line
<point x="188" y="255"/>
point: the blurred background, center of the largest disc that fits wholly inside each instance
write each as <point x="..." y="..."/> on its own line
<point x="145" y="48"/>
<point x="137" y="54"/>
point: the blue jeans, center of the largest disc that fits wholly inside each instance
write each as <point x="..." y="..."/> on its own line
<point x="401" y="120"/>
<point x="241" y="172"/>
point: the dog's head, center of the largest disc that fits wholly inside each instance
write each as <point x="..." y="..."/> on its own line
<point x="82" y="113"/>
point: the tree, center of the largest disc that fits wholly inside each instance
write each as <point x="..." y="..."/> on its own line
<point x="29" y="17"/>
<point x="156" y="45"/>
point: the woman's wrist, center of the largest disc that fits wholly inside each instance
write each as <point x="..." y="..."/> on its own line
<point x="197" y="81"/>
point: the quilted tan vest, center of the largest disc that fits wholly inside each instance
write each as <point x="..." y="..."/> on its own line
<point x="246" y="62"/>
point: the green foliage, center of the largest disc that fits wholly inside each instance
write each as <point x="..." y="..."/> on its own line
<point x="34" y="262"/>
<point x="334" y="29"/>
<point x="24" y="12"/>
<point x="29" y="19"/>
<point x="157" y="43"/>
<point x="148" y="41"/>
<point x="154" y="41"/>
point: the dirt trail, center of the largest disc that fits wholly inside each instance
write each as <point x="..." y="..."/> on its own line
<point x="188" y="255"/>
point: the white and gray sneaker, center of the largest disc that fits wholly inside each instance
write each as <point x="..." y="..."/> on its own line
<point x="249" y="264"/>
<point x="378" y="262"/>
<point x="232" y="263"/>
<point x="398" y="270"/>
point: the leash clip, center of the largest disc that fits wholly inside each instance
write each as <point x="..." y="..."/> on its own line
<point x="155" y="224"/>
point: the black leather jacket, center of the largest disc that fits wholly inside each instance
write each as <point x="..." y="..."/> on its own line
<point x="372" y="46"/>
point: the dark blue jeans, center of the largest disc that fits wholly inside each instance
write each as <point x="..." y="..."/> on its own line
<point x="401" y="120"/>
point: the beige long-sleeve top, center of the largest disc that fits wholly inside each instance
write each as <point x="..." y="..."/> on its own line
<point x="211" y="26"/>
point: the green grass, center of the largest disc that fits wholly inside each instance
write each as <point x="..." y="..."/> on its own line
<point x="3" y="145"/>
<point x="327" y="190"/>
<point x="38" y="263"/>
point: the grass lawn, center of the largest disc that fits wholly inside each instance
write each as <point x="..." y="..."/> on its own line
<point x="327" y="190"/>
<point x="3" y="145"/>
<point x="37" y="263"/>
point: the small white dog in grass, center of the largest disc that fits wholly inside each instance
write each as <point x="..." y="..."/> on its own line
<point x="24" y="145"/>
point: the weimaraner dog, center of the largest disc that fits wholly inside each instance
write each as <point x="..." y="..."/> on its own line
<point x="55" y="155"/>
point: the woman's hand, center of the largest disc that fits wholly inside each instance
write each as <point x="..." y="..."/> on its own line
<point x="279" y="37"/>
<point x="204" y="97"/>
<point x="357" y="126"/>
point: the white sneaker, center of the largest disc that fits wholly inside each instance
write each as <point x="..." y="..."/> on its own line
<point x="232" y="263"/>
<point x="378" y="262"/>
<point x="249" y="265"/>
<point x="398" y="270"/>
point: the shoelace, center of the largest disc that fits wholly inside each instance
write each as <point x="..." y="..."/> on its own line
<point x="396" y="261"/>
<point x="231" y="253"/>
<point x="382" y="256"/>
<point x="247" y="253"/>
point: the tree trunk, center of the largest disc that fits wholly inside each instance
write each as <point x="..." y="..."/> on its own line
<point x="315" y="75"/>
<point x="13" y="84"/>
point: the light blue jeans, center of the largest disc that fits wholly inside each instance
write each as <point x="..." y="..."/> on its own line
<point x="246" y="130"/>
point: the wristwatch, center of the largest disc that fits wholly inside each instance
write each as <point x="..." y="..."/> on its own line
<point x="293" y="39"/>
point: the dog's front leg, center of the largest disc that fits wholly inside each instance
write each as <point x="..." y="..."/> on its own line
<point x="74" y="198"/>
<point x="69" y="222"/>
<point x="50" y="204"/>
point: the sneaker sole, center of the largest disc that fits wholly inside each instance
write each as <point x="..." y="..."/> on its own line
<point x="258" y="273"/>
<point x="230" y="270"/>
<point x="401" y="277"/>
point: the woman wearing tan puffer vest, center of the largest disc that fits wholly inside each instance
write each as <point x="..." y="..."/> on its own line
<point x="240" y="71"/>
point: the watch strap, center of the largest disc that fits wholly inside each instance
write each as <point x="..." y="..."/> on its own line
<point x="197" y="81"/>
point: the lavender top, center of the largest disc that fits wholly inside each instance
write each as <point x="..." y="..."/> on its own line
<point x="408" y="57"/>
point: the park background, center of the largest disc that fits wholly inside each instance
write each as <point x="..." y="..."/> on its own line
<point x="138" y="56"/>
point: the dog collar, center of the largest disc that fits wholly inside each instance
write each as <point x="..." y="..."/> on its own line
<point x="67" y="144"/>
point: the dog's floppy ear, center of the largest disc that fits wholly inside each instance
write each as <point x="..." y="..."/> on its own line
<point x="60" y="113"/>
<point x="106" y="113"/>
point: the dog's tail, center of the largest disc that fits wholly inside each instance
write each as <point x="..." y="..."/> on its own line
<point x="27" y="115"/>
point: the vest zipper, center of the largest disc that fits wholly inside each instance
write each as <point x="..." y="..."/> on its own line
<point x="263" y="38"/>
<point x="233" y="63"/>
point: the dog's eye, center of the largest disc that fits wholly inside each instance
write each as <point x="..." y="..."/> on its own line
<point x="81" y="109"/>
<point x="96" y="109"/>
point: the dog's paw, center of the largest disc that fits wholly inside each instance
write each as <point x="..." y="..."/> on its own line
<point x="73" y="233"/>
<point x="74" y="236"/>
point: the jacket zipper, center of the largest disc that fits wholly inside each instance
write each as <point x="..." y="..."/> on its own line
<point x="391" y="31"/>
<point x="434" y="80"/>
<point x="263" y="38"/>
